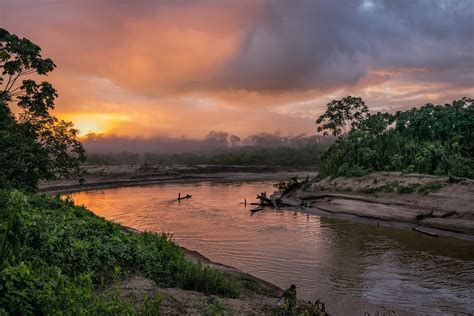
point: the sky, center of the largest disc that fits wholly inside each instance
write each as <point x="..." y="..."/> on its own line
<point x="143" y="68"/>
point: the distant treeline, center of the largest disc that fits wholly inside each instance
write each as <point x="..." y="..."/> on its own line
<point x="432" y="139"/>
<point x="215" y="141"/>
<point x="282" y="156"/>
<point x="220" y="148"/>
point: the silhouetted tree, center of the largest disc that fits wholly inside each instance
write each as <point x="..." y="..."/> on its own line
<point x="342" y="115"/>
<point x="34" y="144"/>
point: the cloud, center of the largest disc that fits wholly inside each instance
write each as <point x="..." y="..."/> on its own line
<point x="331" y="44"/>
<point x="186" y="67"/>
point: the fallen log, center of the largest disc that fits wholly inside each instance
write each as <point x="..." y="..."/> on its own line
<point x="424" y="231"/>
<point x="264" y="200"/>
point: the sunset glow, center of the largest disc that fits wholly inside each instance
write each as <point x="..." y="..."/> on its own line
<point x="185" y="68"/>
<point x="94" y="123"/>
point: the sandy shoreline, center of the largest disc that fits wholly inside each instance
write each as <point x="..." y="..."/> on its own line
<point x="448" y="210"/>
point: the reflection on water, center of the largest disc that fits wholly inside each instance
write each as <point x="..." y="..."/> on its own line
<point x="353" y="267"/>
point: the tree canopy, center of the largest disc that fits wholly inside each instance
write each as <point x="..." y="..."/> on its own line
<point x="432" y="139"/>
<point x="342" y="115"/>
<point x="34" y="144"/>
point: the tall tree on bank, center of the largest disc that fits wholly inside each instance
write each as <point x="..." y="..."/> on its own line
<point x="342" y="116"/>
<point x="34" y="145"/>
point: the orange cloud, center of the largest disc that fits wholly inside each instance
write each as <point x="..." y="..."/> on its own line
<point x="185" y="68"/>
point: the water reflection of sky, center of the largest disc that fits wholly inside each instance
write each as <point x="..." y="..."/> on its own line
<point x="353" y="267"/>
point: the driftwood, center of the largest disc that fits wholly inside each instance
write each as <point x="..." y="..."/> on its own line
<point x="273" y="201"/>
<point x="423" y="231"/>
<point x="264" y="201"/>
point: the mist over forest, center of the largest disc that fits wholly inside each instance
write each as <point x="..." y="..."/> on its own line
<point x="217" y="147"/>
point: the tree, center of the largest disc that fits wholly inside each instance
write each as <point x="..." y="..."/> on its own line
<point x="342" y="115"/>
<point x="234" y="140"/>
<point x="217" y="139"/>
<point x="34" y="145"/>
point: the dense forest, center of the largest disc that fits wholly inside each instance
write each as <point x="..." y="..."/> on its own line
<point x="432" y="139"/>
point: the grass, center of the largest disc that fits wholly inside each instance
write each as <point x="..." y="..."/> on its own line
<point x="59" y="258"/>
<point x="218" y="309"/>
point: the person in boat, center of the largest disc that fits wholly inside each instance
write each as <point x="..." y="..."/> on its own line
<point x="187" y="196"/>
<point x="289" y="295"/>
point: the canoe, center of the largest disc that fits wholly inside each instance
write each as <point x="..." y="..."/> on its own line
<point x="185" y="197"/>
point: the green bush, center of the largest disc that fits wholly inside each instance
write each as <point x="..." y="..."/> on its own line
<point x="429" y="187"/>
<point x="61" y="255"/>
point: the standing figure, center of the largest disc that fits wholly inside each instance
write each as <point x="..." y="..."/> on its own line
<point x="289" y="295"/>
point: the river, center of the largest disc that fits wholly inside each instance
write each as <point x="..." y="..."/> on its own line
<point x="353" y="267"/>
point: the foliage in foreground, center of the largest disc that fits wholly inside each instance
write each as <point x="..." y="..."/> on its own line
<point x="60" y="257"/>
<point x="433" y="139"/>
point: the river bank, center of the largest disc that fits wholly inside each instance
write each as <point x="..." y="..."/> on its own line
<point x="113" y="176"/>
<point x="436" y="205"/>
<point x="257" y="296"/>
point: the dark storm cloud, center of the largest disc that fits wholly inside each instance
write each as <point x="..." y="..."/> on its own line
<point x="323" y="44"/>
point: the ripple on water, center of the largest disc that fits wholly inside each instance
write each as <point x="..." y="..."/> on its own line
<point x="271" y="229"/>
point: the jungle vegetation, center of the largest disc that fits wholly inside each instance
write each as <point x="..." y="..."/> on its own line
<point x="432" y="139"/>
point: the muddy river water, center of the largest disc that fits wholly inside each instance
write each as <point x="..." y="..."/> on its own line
<point x="353" y="267"/>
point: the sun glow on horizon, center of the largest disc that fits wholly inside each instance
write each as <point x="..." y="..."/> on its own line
<point x="96" y="123"/>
